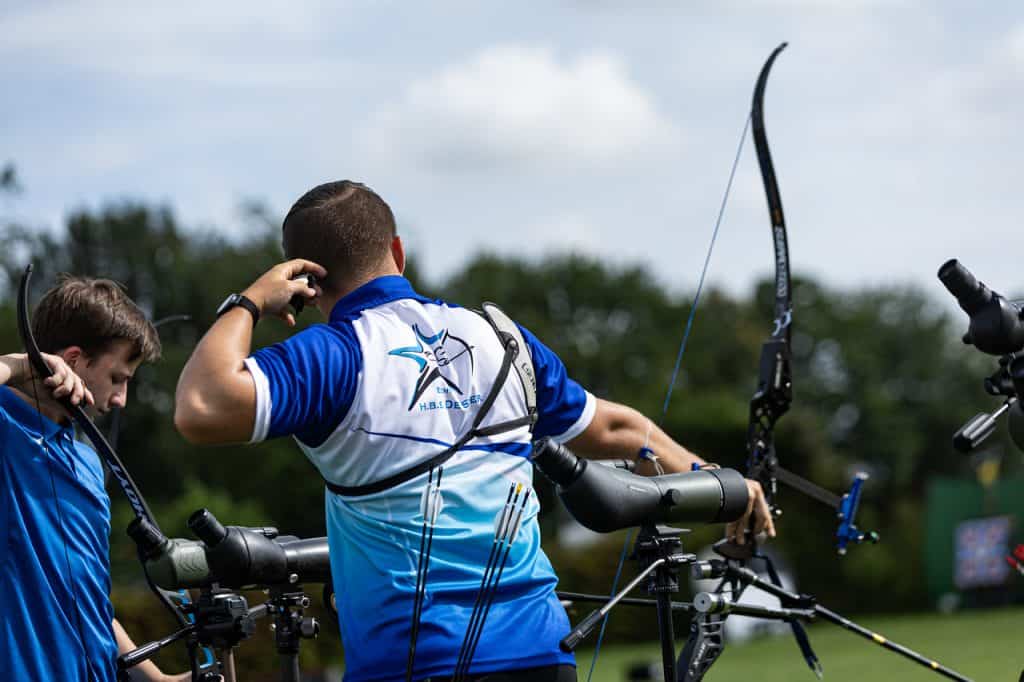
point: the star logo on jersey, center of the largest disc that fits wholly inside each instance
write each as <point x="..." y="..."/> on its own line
<point x="438" y="356"/>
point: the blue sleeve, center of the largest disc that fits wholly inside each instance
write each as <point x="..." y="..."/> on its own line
<point x="308" y="383"/>
<point x="5" y="484"/>
<point x="564" y="407"/>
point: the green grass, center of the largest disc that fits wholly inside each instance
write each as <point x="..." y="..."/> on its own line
<point x="982" y="645"/>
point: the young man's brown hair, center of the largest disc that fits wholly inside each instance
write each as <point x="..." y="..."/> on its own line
<point x="344" y="226"/>
<point x="91" y="314"/>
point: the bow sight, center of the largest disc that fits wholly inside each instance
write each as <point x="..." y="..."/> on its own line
<point x="996" y="327"/>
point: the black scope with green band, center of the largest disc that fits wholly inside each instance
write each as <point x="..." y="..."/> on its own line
<point x="230" y="556"/>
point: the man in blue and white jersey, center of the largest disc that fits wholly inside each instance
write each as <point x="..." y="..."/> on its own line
<point x="392" y="381"/>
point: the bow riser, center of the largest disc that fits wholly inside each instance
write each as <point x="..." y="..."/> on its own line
<point x="771" y="400"/>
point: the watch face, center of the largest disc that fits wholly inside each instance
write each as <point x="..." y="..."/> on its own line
<point x="228" y="303"/>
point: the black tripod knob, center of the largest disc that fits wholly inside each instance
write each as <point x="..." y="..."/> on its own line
<point x="309" y="628"/>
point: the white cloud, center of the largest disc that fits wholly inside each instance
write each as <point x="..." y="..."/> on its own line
<point x="562" y="232"/>
<point x="958" y="101"/>
<point x="1014" y="45"/>
<point x="77" y="28"/>
<point x="893" y="127"/>
<point x="521" y="106"/>
<point x="232" y="44"/>
<point x="829" y="6"/>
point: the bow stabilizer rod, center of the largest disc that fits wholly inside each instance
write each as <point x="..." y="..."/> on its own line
<point x="805" y="604"/>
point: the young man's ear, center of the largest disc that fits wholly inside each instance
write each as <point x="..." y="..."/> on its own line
<point x="73" y="355"/>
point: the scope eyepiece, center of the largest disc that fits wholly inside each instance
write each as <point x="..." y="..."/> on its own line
<point x="146" y="536"/>
<point x="971" y="294"/>
<point x="207" y="528"/>
<point x="557" y="462"/>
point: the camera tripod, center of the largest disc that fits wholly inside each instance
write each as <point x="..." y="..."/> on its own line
<point x="222" y="619"/>
<point x="659" y="553"/>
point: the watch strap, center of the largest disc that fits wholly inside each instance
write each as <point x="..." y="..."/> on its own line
<point x="241" y="301"/>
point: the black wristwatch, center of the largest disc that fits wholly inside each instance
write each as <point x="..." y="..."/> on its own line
<point x="239" y="300"/>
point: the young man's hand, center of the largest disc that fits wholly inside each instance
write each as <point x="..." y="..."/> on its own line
<point x="272" y="292"/>
<point x="147" y="670"/>
<point x="757" y="508"/>
<point x="63" y="384"/>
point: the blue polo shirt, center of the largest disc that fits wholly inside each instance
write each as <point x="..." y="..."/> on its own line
<point x="55" y="610"/>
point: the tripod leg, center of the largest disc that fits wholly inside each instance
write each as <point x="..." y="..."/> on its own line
<point x="667" y="633"/>
<point x="227" y="658"/>
<point x="290" y="668"/>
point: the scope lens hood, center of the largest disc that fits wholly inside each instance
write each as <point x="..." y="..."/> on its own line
<point x="735" y="494"/>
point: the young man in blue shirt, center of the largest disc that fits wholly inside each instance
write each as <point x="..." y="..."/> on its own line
<point x="391" y="383"/>
<point x="56" y="619"/>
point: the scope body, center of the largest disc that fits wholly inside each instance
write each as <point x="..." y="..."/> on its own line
<point x="232" y="556"/>
<point x="244" y="557"/>
<point x="608" y="498"/>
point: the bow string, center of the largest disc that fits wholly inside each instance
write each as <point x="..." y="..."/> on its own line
<point x="783" y="314"/>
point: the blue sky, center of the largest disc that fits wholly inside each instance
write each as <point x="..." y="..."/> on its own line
<point x="536" y="127"/>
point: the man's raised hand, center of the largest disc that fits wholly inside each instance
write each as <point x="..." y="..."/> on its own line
<point x="63" y="384"/>
<point x="275" y="288"/>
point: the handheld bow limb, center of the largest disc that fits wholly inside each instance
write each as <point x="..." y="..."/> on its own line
<point x="107" y="454"/>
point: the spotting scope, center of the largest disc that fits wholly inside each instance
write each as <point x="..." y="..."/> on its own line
<point x="997" y="324"/>
<point x="605" y="498"/>
<point x="231" y="556"/>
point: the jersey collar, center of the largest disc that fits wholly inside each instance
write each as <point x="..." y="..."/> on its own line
<point x="28" y="417"/>
<point x="374" y="293"/>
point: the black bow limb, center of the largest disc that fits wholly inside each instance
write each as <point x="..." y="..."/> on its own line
<point x="143" y="515"/>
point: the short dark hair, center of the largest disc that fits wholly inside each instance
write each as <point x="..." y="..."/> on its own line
<point x="92" y="314"/>
<point x="344" y="226"/>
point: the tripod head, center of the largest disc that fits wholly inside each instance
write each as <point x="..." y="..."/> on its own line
<point x="1007" y="381"/>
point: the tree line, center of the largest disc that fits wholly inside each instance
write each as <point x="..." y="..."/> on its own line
<point x="881" y="381"/>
